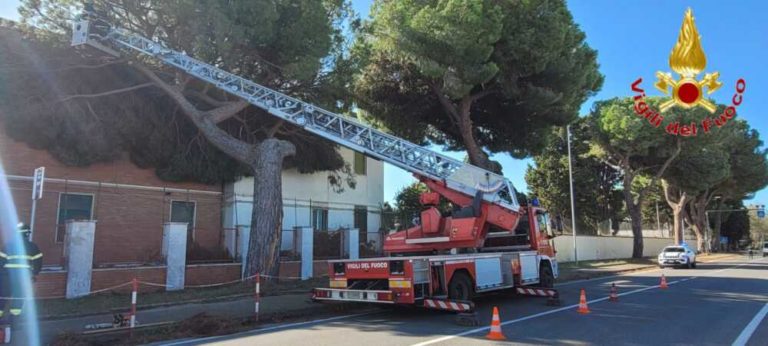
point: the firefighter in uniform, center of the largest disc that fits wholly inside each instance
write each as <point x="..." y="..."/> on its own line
<point x="13" y="261"/>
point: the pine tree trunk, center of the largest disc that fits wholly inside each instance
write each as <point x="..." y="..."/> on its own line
<point x="636" y="216"/>
<point x="476" y="155"/>
<point x="267" y="213"/>
<point x="677" y="227"/>
<point x="699" y="221"/>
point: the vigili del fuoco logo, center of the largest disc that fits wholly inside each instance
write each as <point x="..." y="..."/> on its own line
<point x="687" y="91"/>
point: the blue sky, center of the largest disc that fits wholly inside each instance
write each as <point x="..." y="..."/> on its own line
<point x="633" y="39"/>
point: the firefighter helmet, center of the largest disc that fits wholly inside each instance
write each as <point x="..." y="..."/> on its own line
<point x="23" y="228"/>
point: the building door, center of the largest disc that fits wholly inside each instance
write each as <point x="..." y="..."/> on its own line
<point x="361" y="222"/>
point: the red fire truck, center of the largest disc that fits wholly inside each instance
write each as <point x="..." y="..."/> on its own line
<point x="450" y="281"/>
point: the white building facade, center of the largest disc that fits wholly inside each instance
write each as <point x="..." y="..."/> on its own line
<point x="310" y="200"/>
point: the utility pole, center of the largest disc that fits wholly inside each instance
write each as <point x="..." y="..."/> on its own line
<point x="570" y="179"/>
<point x="709" y="233"/>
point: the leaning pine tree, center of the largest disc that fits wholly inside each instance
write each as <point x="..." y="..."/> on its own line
<point x="122" y="104"/>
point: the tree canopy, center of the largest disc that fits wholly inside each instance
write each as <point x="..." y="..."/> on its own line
<point x="481" y="76"/>
<point x="291" y="46"/>
<point x="629" y="144"/>
<point x="294" y="46"/>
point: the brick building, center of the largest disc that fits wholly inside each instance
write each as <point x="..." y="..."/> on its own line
<point x="130" y="205"/>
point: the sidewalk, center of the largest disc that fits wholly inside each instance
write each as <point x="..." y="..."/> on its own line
<point x="280" y="306"/>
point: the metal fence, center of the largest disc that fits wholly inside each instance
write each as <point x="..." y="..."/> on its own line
<point x="331" y="244"/>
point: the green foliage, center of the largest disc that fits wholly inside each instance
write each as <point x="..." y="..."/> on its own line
<point x="654" y="197"/>
<point x="596" y="191"/>
<point x="618" y="133"/>
<point x="522" y="66"/>
<point x="746" y="161"/>
<point x="294" y="46"/>
<point x="737" y="225"/>
<point x="704" y="159"/>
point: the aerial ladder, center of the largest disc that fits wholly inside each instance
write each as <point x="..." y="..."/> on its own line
<point x="486" y="205"/>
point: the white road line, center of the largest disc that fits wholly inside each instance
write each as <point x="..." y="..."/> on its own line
<point x="477" y="330"/>
<point x="257" y="331"/>
<point x="569" y="307"/>
<point x="751" y="327"/>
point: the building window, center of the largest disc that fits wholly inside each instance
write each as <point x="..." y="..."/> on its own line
<point x="183" y="211"/>
<point x="361" y="218"/>
<point x="72" y="206"/>
<point x="360" y="164"/>
<point x="320" y="219"/>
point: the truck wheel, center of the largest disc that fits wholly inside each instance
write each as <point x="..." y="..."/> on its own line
<point x="693" y="264"/>
<point x="546" y="278"/>
<point x="460" y="287"/>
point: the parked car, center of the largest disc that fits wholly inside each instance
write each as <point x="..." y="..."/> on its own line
<point x="765" y="249"/>
<point x="677" y="255"/>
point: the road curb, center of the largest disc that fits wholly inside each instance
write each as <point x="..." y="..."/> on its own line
<point x="168" y="304"/>
<point x="265" y="320"/>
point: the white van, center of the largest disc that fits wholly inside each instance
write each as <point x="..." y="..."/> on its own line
<point x="765" y="249"/>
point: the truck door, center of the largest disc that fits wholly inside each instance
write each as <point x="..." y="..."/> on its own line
<point x="540" y="240"/>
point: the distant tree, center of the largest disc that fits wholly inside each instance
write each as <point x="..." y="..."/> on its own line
<point x="729" y="162"/>
<point x="629" y="144"/>
<point x="597" y="194"/>
<point x="481" y="76"/>
<point x="737" y="225"/>
<point x="747" y="172"/>
<point x="758" y="228"/>
<point x="654" y="199"/>
<point x="407" y="202"/>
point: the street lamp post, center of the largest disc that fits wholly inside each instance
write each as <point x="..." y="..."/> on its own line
<point x="570" y="180"/>
<point x="709" y="233"/>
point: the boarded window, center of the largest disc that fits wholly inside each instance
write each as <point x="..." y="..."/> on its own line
<point x="72" y="206"/>
<point x="183" y="211"/>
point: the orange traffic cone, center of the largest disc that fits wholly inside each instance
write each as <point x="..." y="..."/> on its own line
<point x="583" y="309"/>
<point x="495" y="333"/>
<point x="663" y="285"/>
<point x="614" y="297"/>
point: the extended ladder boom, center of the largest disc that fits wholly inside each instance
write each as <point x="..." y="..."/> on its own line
<point x="342" y="130"/>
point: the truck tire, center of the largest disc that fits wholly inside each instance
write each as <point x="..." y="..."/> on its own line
<point x="546" y="278"/>
<point x="461" y="287"/>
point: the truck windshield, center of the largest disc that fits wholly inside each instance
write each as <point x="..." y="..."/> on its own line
<point x="765" y="246"/>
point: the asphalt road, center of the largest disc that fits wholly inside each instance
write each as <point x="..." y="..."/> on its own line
<point x="720" y="303"/>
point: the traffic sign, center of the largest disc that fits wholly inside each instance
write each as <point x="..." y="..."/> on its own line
<point x="37" y="187"/>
